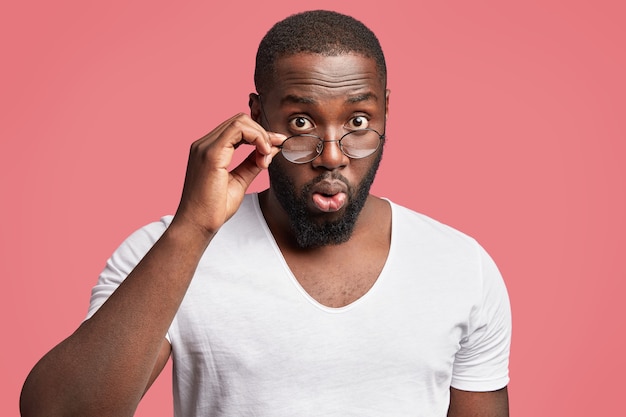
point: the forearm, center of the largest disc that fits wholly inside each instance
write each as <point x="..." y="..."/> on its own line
<point x="479" y="404"/>
<point x="105" y="366"/>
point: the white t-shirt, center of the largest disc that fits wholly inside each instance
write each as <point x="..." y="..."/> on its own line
<point x="248" y="339"/>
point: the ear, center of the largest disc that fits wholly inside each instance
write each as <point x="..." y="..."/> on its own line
<point x="255" y="107"/>
<point x="387" y="92"/>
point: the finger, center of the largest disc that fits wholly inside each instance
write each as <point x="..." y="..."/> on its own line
<point x="233" y="132"/>
<point x="215" y="133"/>
<point x="216" y="149"/>
<point x="244" y="173"/>
<point x="221" y="145"/>
<point x="241" y="131"/>
<point x="264" y="161"/>
<point x="239" y="143"/>
<point x="276" y="139"/>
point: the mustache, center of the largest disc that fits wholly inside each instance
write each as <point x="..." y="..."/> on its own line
<point x="327" y="177"/>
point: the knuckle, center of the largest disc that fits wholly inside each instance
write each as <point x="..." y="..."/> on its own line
<point x="240" y="119"/>
<point x="240" y="122"/>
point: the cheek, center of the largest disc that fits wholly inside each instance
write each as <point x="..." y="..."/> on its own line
<point x="360" y="169"/>
<point x="284" y="174"/>
<point x="280" y="166"/>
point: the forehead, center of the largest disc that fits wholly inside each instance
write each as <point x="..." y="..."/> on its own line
<point x="318" y="77"/>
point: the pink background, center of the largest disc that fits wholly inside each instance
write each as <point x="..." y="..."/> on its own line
<point x="506" y="121"/>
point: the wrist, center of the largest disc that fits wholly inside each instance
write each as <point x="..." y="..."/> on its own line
<point x="187" y="232"/>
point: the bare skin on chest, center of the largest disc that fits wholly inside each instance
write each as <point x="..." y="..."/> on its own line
<point x="335" y="281"/>
<point x="338" y="275"/>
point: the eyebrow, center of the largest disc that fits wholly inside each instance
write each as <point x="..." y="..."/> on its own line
<point x="362" y="97"/>
<point x="294" y="99"/>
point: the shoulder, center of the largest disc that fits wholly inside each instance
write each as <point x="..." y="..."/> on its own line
<point x="416" y="227"/>
<point x="136" y="244"/>
<point x="420" y="240"/>
<point x="148" y="234"/>
<point x="145" y="236"/>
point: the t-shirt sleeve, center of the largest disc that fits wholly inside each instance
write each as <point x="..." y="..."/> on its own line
<point x="482" y="362"/>
<point x="123" y="261"/>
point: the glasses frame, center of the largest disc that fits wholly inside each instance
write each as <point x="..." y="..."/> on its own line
<point x="320" y="147"/>
<point x="321" y="141"/>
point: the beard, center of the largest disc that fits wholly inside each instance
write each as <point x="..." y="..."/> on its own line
<point x="312" y="230"/>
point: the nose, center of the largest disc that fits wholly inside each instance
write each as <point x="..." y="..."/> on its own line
<point x="331" y="157"/>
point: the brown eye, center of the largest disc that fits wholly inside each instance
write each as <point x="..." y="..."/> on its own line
<point x="300" y="124"/>
<point x="358" y="122"/>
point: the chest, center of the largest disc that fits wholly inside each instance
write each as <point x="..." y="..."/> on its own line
<point x="266" y="342"/>
<point x="340" y="280"/>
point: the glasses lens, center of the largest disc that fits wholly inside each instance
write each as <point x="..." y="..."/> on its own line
<point x="301" y="148"/>
<point x="360" y="143"/>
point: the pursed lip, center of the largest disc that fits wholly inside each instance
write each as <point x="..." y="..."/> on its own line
<point x="328" y="195"/>
<point x="329" y="187"/>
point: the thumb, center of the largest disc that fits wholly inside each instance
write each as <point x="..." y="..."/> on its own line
<point x="244" y="173"/>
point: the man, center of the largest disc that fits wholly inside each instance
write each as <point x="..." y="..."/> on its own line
<point x="313" y="297"/>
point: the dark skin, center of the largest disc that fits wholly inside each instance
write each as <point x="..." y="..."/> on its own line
<point x="326" y="96"/>
<point x="106" y="366"/>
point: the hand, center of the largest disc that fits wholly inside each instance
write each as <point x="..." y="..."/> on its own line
<point x="212" y="194"/>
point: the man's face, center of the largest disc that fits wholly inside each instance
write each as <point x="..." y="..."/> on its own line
<point x="327" y="96"/>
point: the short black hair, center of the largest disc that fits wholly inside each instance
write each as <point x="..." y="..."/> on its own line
<point x="317" y="31"/>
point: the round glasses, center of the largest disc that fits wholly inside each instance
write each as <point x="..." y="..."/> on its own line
<point x="356" y="144"/>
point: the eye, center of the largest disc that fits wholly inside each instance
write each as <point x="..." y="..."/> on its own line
<point x="358" y="122"/>
<point x="300" y="124"/>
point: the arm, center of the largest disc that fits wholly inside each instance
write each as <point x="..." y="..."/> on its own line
<point x="479" y="404"/>
<point x="108" y="363"/>
<point x="482" y="362"/>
